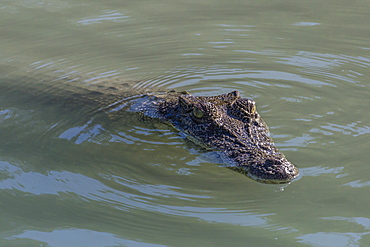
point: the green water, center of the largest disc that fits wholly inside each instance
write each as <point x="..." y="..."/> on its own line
<point x="68" y="181"/>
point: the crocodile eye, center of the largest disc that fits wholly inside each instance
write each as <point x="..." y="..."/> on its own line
<point x="198" y="113"/>
<point x="253" y="109"/>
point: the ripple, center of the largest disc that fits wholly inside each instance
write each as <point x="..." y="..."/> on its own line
<point x="357" y="184"/>
<point x="108" y="15"/>
<point x="332" y="239"/>
<point x="354" y="129"/>
<point x="306" y="24"/>
<point x="320" y="170"/>
<point x="72" y="237"/>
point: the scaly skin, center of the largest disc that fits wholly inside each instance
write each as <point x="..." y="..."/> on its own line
<point x="230" y="124"/>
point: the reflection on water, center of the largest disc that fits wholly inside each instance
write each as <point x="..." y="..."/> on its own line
<point x="72" y="237"/>
<point x="72" y="177"/>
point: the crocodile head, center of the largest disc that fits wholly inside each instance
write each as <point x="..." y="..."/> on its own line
<point x="230" y="124"/>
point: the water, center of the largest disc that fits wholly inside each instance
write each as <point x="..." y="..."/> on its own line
<point x="69" y="181"/>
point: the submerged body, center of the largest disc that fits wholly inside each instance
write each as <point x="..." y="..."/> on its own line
<point x="226" y="123"/>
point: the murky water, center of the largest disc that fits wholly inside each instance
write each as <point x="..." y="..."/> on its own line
<point x="67" y="180"/>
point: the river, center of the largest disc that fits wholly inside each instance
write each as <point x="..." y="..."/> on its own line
<point x="65" y="181"/>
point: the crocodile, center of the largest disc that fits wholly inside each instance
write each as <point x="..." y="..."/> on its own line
<point x="227" y="123"/>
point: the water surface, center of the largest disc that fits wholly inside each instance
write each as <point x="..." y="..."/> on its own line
<point x="67" y="180"/>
